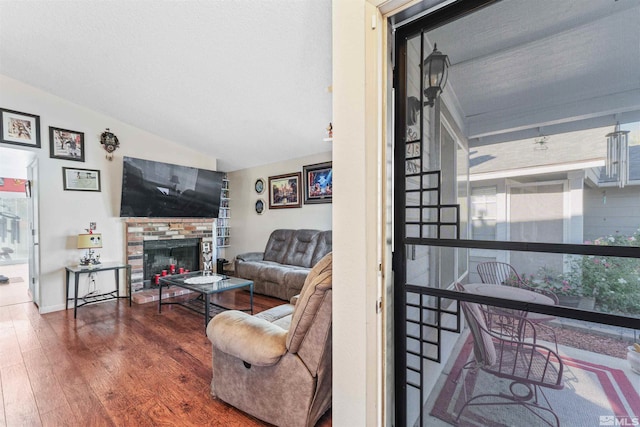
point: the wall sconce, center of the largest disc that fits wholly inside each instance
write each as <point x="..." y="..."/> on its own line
<point x="435" y="70"/>
<point x="617" y="163"/>
<point x="109" y="142"/>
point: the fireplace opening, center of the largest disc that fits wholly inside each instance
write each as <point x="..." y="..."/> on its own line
<point x="160" y="255"/>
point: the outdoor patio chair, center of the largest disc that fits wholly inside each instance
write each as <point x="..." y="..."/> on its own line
<point x="502" y="273"/>
<point x="498" y="351"/>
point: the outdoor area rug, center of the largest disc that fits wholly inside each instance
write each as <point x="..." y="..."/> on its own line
<point x="593" y="395"/>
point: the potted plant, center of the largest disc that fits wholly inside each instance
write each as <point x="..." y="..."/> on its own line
<point x="568" y="291"/>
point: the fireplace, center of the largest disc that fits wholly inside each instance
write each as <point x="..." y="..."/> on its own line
<point x="160" y="255"/>
<point x="141" y="232"/>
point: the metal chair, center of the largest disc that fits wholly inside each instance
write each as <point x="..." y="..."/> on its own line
<point x="500" y="351"/>
<point x="502" y="273"/>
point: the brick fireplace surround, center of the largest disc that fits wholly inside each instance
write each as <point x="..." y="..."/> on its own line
<point x="140" y="229"/>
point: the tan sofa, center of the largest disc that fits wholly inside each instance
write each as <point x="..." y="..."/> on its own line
<point x="280" y="271"/>
<point x="276" y="365"/>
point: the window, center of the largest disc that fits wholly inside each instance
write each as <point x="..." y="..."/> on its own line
<point x="483" y="213"/>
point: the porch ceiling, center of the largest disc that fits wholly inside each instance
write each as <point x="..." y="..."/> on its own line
<point x="520" y="68"/>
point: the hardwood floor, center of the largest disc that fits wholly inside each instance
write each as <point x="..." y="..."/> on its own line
<point x="114" y="365"/>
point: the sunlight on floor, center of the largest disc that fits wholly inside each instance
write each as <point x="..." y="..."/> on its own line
<point x="17" y="290"/>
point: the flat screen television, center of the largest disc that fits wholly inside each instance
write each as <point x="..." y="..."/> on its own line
<point x="162" y="190"/>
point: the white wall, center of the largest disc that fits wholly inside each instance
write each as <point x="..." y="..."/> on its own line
<point x="63" y="214"/>
<point x="250" y="231"/>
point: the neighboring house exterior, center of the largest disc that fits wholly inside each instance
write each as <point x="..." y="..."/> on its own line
<point x="548" y="189"/>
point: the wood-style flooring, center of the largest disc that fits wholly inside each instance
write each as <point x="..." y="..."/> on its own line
<point x="114" y="365"/>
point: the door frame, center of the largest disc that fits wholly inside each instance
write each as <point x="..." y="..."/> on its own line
<point x="402" y="289"/>
<point x="34" y="231"/>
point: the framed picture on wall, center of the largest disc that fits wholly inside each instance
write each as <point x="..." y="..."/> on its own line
<point x="284" y="191"/>
<point x="19" y="128"/>
<point x="66" y="144"/>
<point x="318" y="183"/>
<point x="81" y="179"/>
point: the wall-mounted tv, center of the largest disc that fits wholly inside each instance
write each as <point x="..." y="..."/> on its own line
<point x="163" y="190"/>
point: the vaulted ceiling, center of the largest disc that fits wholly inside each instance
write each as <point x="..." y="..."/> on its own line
<point x="245" y="81"/>
<point x="248" y="81"/>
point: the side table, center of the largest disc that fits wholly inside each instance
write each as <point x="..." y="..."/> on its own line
<point x="115" y="294"/>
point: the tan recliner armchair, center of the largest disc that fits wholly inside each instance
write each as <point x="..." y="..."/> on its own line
<point x="276" y="365"/>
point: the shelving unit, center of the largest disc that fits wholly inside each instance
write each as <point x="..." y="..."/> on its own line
<point x="223" y="231"/>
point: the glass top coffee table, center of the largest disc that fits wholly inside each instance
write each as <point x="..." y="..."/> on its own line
<point x="205" y="286"/>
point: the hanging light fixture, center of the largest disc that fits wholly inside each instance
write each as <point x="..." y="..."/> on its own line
<point x="541" y="141"/>
<point x="617" y="163"/>
<point x="435" y="68"/>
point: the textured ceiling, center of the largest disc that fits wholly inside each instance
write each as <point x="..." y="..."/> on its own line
<point x="544" y="52"/>
<point x="245" y="81"/>
<point x="520" y="68"/>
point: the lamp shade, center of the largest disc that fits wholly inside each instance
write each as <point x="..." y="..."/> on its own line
<point x="89" y="241"/>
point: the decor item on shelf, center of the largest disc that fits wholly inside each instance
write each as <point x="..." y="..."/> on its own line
<point x="81" y="179"/>
<point x="109" y="142"/>
<point x="207" y="258"/>
<point x="259" y="185"/>
<point x="90" y="241"/>
<point x="330" y="130"/>
<point x="259" y="206"/>
<point x="617" y="163"/>
<point x="284" y="191"/>
<point x="434" y="70"/>
<point x="66" y="144"/>
<point x="19" y="128"/>
<point x="318" y="183"/>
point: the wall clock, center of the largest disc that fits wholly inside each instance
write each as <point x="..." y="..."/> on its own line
<point x="259" y="186"/>
<point x="259" y="206"/>
<point x="109" y="142"/>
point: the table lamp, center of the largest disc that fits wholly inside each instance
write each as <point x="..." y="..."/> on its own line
<point x="90" y="241"/>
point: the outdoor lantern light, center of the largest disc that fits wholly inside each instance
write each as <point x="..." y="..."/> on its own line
<point x="617" y="163"/>
<point x="435" y="73"/>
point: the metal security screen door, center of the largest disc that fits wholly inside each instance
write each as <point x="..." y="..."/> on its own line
<point x="431" y="189"/>
<point x="459" y="200"/>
